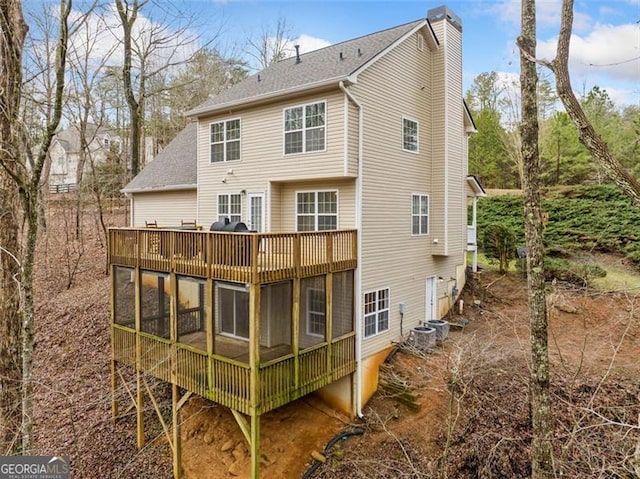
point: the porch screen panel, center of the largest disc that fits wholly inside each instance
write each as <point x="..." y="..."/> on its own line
<point x="191" y="316"/>
<point x="155" y="304"/>
<point x="124" y="295"/>
<point x="342" y="308"/>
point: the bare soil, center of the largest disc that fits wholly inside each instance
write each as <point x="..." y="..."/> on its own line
<point x="472" y="419"/>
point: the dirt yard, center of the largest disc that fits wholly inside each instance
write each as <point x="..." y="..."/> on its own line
<point x="470" y="393"/>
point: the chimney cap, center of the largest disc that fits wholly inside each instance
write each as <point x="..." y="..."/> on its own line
<point x="444" y="13"/>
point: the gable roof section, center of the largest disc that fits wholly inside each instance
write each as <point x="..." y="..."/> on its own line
<point x="174" y="168"/>
<point x="318" y="68"/>
<point x="69" y="138"/>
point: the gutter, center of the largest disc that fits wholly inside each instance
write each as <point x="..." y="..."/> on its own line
<point x="358" y="275"/>
<point x="153" y="189"/>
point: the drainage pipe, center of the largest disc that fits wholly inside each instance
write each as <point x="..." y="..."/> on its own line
<point x="339" y="437"/>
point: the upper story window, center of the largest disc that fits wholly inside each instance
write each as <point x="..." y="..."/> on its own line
<point x="409" y="135"/>
<point x="304" y="128"/>
<point x="225" y="140"/>
<point x="317" y="210"/>
<point x="230" y="206"/>
<point x="419" y="214"/>
<point x="376" y="312"/>
<point x="106" y="143"/>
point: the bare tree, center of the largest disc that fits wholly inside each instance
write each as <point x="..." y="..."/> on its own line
<point x="86" y="69"/>
<point x="271" y="45"/>
<point x="541" y="447"/>
<point x="26" y="179"/>
<point x="151" y="49"/>
<point x="589" y="137"/>
<point x="128" y="14"/>
<point x="13" y="31"/>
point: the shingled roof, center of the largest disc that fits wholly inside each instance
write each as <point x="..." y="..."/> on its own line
<point x="327" y="65"/>
<point x="174" y="168"/>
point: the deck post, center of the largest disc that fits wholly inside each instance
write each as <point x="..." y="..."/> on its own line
<point x="114" y="375"/>
<point x="139" y="391"/>
<point x="295" y="332"/>
<point x="328" y="326"/>
<point x="177" y="443"/>
<point x="255" y="387"/>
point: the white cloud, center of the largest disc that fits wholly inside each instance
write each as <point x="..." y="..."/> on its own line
<point x="612" y="50"/>
<point x="308" y="43"/>
<point x="547" y="13"/>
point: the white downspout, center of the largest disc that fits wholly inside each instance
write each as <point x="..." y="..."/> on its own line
<point x="358" y="275"/>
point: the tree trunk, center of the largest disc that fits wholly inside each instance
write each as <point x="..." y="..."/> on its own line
<point x="541" y="447"/>
<point x="13" y="30"/>
<point x="128" y="18"/>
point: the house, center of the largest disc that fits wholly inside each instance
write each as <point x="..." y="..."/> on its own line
<point x="66" y="152"/>
<point x="349" y="167"/>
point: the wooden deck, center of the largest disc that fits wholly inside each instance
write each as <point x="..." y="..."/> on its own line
<point x="242" y="375"/>
<point x="238" y="257"/>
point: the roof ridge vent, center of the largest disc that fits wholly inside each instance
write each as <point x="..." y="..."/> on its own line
<point x="297" y="47"/>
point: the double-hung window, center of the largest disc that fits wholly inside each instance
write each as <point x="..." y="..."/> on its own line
<point x="304" y="128"/>
<point x="225" y="140"/>
<point x="376" y="312"/>
<point x="230" y="206"/>
<point x="315" y="312"/>
<point x="419" y="214"/>
<point x="409" y="135"/>
<point x="317" y="210"/>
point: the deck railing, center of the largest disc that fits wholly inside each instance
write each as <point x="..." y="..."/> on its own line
<point x="227" y="381"/>
<point x="238" y="257"/>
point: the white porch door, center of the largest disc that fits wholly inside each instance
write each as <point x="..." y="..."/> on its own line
<point x="256" y="212"/>
<point x="431" y="308"/>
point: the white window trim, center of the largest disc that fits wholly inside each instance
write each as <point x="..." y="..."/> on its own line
<point x="242" y="289"/>
<point x="316" y="212"/>
<point x="417" y="150"/>
<point x="428" y="214"/>
<point x="309" y="333"/>
<point x="304" y="129"/>
<point x="225" y="121"/>
<point x="228" y="215"/>
<point x="420" y="41"/>
<point x="378" y="311"/>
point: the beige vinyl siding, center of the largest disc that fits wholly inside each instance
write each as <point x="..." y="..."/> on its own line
<point x="168" y="208"/>
<point x="284" y="195"/>
<point x="352" y="162"/>
<point x="391" y="257"/>
<point x="263" y="161"/>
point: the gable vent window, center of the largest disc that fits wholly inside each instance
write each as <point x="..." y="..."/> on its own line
<point x="225" y="141"/>
<point x="420" y="41"/>
<point x="304" y="128"/>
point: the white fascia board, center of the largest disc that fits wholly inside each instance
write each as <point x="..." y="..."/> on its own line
<point x="154" y="189"/>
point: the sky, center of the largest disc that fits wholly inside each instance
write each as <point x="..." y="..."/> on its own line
<point x="605" y="46"/>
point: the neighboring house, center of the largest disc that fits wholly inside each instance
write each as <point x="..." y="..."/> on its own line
<point x="66" y="151"/>
<point x="351" y="163"/>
